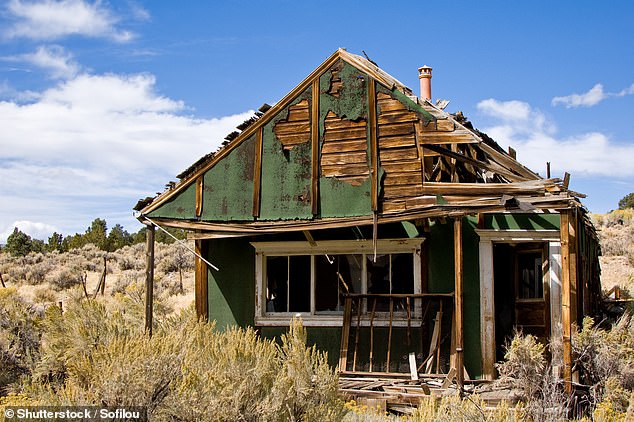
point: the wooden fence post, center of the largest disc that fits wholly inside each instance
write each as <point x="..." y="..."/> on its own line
<point x="149" y="277"/>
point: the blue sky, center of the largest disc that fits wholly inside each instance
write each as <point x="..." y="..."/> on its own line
<point x="102" y="103"/>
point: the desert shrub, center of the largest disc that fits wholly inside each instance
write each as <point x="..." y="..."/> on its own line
<point x="65" y="278"/>
<point x="17" y="273"/>
<point x="19" y="337"/>
<point x="524" y="364"/>
<point x="44" y="295"/>
<point x="187" y="370"/>
<point x="36" y="273"/>
<point x="237" y="376"/>
<point x="605" y="359"/>
<point x="525" y="369"/>
<point x="129" y="262"/>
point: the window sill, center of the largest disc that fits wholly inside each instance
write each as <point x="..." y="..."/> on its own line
<point x="283" y="320"/>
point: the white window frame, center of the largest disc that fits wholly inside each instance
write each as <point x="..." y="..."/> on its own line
<point x="329" y="247"/>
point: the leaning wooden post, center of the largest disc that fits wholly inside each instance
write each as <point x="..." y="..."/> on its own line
<point x="149" y="277"/>
<point x="457" y="237"/>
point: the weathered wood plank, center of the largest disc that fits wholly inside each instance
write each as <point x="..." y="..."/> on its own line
<point x="445" y="125"/>
<point x="288" y="128"/>
<point x="199" y="195"/>
<point x="455" y="137"/>
<point x="397" y="154"/>
<point x="403" y="178"/>
<point x="345" y="133"/>
<point x="347" y="158"/>
<point x="397" y="117"/>
<point x="401" y="165"/>
<point x="344" y="146"/>
<point x="397" y="141"/>
<point x="298" y="112"/>
<point x="478" y="189"/>
<point x="347" y="170"/>
<point x="396" y="129"/>
<point x="401" y="191"/>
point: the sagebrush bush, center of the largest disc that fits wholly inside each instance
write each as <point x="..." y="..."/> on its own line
<point x="605" y="359"/>
<point x="526" y="369"/>
<point x="188" y="370"/>
<point x="19" y="337"/>
<point x="65" y="278"/>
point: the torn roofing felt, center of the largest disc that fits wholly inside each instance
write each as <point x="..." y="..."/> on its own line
<point x="349" y="143"/>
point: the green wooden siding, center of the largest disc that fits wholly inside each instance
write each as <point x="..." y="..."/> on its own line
<point x="181" y="206"/>
<point x="231" y="293"/>
<point x="286" y="175"/>
<point x="228" y="186"/>
<point x="339" y="198"/>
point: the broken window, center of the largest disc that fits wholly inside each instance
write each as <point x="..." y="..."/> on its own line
<point x="288" y="284"/>
<point x="300" y="278"/>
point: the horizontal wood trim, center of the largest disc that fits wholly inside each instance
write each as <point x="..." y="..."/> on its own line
<point x="478" y="189"/>
<point x="446" y="138"/>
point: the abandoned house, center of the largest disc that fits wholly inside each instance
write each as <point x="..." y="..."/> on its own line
<point x="408" y="241"/>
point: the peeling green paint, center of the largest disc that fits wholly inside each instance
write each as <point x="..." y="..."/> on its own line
<point x="286" y="175"/>
<point x="181" y="206"/>
<point x="228" y="186"/>
<point x="341" y="199"/>
<point x="351" y="102"/>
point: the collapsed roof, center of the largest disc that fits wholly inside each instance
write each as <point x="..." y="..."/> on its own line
<point x="350" y="145"/>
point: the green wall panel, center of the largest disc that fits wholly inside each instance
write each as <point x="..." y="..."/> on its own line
<point x="231" y="291"/>
<point x="181" y="206"/>
<point x="339" y="198"/>
<point x="228" y="186"/>
<point x="286" y="175"/>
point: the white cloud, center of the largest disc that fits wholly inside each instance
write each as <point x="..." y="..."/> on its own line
<point x="588" y="99"/>
<point x="96" y="142"/>
<point x="52" y="19"/>
<point x="591" y="98"/>
<point x="36" y="230"/>
<point x="536" y="142"/>
<point x="55" y="59"/>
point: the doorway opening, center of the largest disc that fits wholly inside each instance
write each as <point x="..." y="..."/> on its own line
<point x="521" y="292"/>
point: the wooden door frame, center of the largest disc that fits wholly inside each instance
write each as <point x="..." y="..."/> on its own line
<point x="487" y="301"/>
